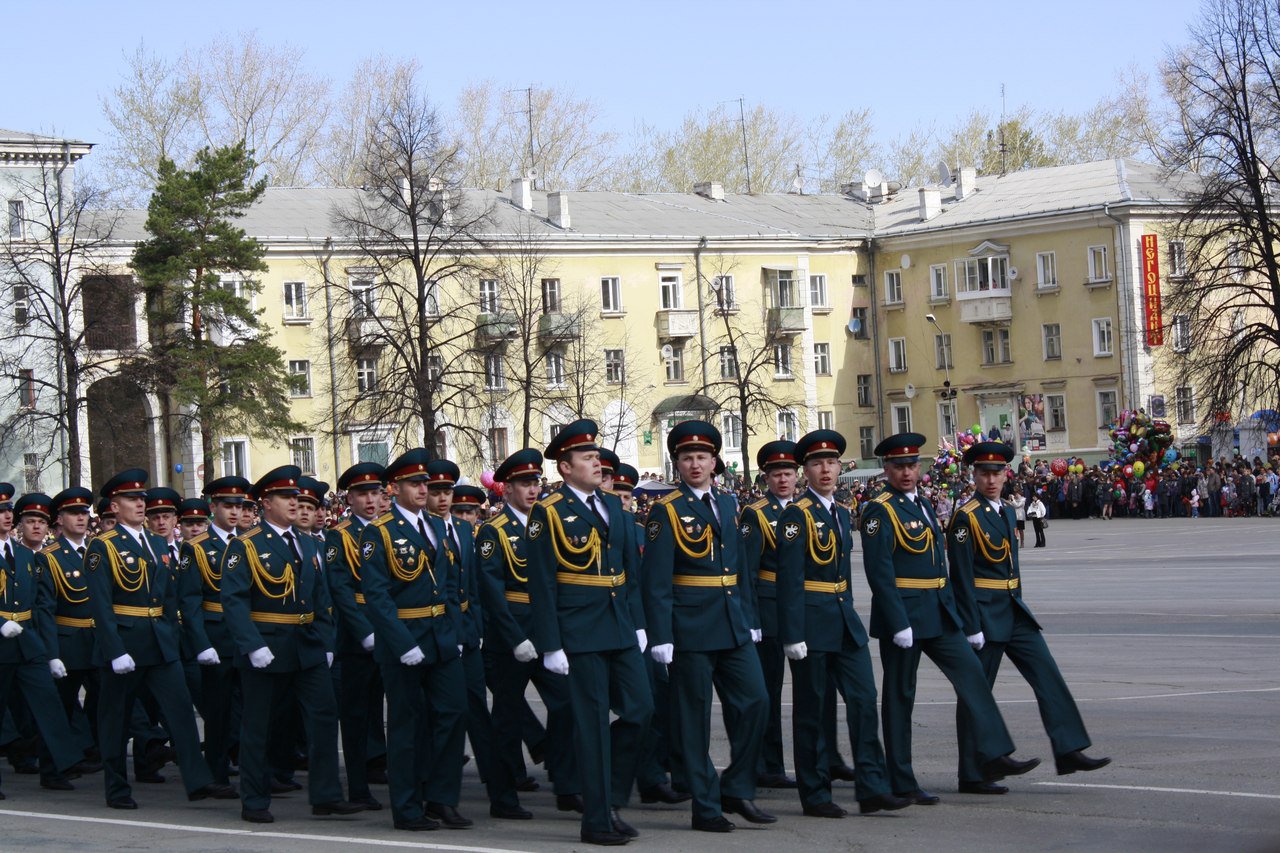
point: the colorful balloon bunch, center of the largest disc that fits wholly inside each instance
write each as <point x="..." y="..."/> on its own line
<point x="1141" y="444"/>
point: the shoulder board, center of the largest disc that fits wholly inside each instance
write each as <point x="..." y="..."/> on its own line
<point x="384" y="519"/>
<point x="760" y="504"/>
<point x="196" y="540"/>
<point x="882" y="498"/>
<point x="110" y="534"/>
<point x="608" y="491"/>
<point x="51" y="549"/>
<point x="497" y="522"/>
<point x="970" y="505"/>
<point x="670" y="496"/>
<point x="250" y="533"/>
<point x="342" y="525"/>
<point x="804" y="503"/>
<point x="551" y="498"/>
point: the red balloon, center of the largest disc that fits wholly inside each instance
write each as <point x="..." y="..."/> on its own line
<point x="1128" y="470"/>
<point x="1058" y="467"/>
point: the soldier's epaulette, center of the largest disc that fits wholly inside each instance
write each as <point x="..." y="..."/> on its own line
<point x="196" y="540"/>
<point x="669" y="497"/>
<point x="760" y="504"/>
<point x="384" y="519"/>
<point x="804" y="503"/>
<point x="110" y="534"/>
<point x="50" y="549"/>
<point x="551" y="499"/>
<point x="342" y="525"/>
<point x="607" y="491"/>
<point x="882" y="498"/>
<point x="250" y="533"/>
<point x="970" y="505"/>
<point x="497" y="522"/>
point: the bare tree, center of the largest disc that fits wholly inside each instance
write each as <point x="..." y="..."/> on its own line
<point x="340" y="154"/>
<point x="842" y="149"/>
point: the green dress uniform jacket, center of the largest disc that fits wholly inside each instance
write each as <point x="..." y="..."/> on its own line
<point x="759" y="534"/>
<point x="73" y="615"/>
<point x="343" y="564"/>
<point x="471" y="612"/>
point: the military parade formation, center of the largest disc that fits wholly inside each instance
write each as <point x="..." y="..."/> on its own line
<point x="418" y="622"/>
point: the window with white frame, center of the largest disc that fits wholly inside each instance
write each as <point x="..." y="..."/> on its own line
<point x="788" y="425"/>
<point x="494" y="375"/>
<point x="1055" y="412"/>
<point x="670" y="291"/>
<point x="615" y="370"/>
<point x="435" y="368"/>
<point x="551" y="296"/>
<point x="782" y="361"/>
<point x="893" y="287"/>
<point x="1235" y="259"/>
<point x="364" y="298"/>
<point x="675" y="363"/>
<point x="1052" y="334"/>
<point x="866" y="442"/>
<point x="611" y="294"/>
<point x="995" y="346"/>
<point x="303" y="453"/>
<point x="295" y="301"/>
<point x="728" y="363"/>
<point x="490" y="296"/>
<point x="947" y="417"/>
<point x="897" y="355"/>
<point x="1098" y="268"/>
<point x="784" y="290"/>
<point x="861" y="330"/>
<point x="818" y="291"/>
<point x="938" y="281"/>
<point x="1181" y="329"/>
<point x="498" y="445"/>
<point x="235" y="458"/>
<point x="31" y="471"/>
<point x="1177" y="257"/>
<point x="942" y="351"/>
<point x="826" y="420"/>
<point x="901" y="415"/>
<point x="1102" y="336"/>
<point x="1185" y="404"/>
<point x="26" y="388"/>
<point x="555" y="369"/>
<point x="432" y="301"/>
<point x="726" y="292"/>
<point x="21" y="305"/>
<point x="864" y="390"/>
<point x="731" y="430"/>
<point x="1046" y="269"/>
<point x="300" y="375"/>
<point x="822" y="359"/>
<point x="975" y="275"/>
<point x="373" y="449"/>
<point x="17" y="220"/>
<point x="1107" y="408"/>
<point x="366" y="375"/>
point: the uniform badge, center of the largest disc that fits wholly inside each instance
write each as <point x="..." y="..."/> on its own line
<point x="535" y="529"/>
<point x="486" y="549"/>
<point x="186" y="563"/>
<point x="687" y="519"/>
<point x="791" y="531"/>
<point x="331" y="554"/>
<point x="746" y="529"/>
<point x="366" y="550"/>
<point x="569" y="518"/>
<point x="233" y="561"/>
<point x="872" y="527"/>
<point x="652" y="529"/>
<point x="962" y="534"/>
<point x="128" y="558"/>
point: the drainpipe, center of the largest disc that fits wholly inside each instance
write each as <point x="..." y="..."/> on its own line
<point x="702" y="331"/>
<point x="873" y="315"/>
<point x="1129" y="328"/>
<point x="333" y="369"/>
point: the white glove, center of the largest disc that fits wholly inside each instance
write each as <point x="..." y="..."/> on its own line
<point x="208" y="657"/>
<point x="328" y="658"/>
<point x="57" y="669"/>
<point x="557" y="662"/>
<point x="123" y="665"/>
<point x="459" y="649"/>
<point x="642" y="639"/>
<point x="413" y="657"/>
<point x="367" y="643"/>
<point x="903" y="639"/>
<point x="261" y="658"/>
<point x="10" y="629"/>
<point x="525" y="652"/>
<point x="757" y="634"/>
<point x="977" y="641"/>
<point x="663" y="653"/>
<point x="480" y="643"/>
<point x="796" y="651"/>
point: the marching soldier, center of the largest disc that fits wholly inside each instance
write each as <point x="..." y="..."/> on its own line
<point x="200" y="581"/>
<point x="134" y="598"/>
<point x="162" y="519"/>
<point x="704" y="627"/>
<point x="276" y="606"/>
<point x="193" y="518"/>
<point x="984" y="562"/>
<point x="823" y="637"/>
<point x="193" y="521"/>
<point x="914" y="611"/>
<point x="412" y="602"/>
<point x="509" y="654"/>
<point x="467" y="503"/>
<point x="589" y="625"/>
<point x="106" y="516"/>
<point x="32" y="511"/>
<point x="312" y="515"/>
<point x="360" y="682"/>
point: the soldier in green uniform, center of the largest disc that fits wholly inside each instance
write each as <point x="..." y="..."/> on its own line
<point x="588" y="623"/>
<point x="468" y="503"/>
<point x="510" y="659"/>
<point x="133" y="594"/>
<point x="200" y="589"/>
<point x="823" y="637"/>
<point x="984" y="563"/>
<point x="412" y="602"/>
<point x="914" y="611"/>
<point x="702" y="613"/>
<point x="276" y="606"/>
<point x="360" y="682"/>
<point x="106" y="515"/>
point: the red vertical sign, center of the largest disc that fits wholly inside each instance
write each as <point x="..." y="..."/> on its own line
<point x="1151" y="289"/>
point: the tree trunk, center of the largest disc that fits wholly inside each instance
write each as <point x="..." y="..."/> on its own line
<point x="746" y="440"/>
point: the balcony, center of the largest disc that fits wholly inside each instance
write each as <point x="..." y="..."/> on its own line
<point x="362" y="330"/>
<point x="494" y="328"/>
<point x="559" y="327"/>
<point x="677" y="323"/>
<point x="985" y="307"/>
<point x="785" y="321"/>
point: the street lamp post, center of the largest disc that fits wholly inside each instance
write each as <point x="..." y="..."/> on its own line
<point x="948" y="393"/>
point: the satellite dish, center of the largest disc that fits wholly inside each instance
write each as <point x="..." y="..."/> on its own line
<point x="667" y="351"/>
<point x="715" y="283"/>
<point x="873" y="178"/>
<point x="1013" y="273"/>
<point x="905" y="262"/>
<point x="944" y="173"/>
<point x="855" y="326"/>
<point x="910" y="391"/>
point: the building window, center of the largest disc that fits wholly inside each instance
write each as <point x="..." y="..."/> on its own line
<point x="373" y="450"/>
<point x="490" y="297"/>
<point x="615" y="371"/>
<point x="784" y="290"/>
<point x="864" y="392"/>
<point x="555" y="369"/>
<point x="818" y="291"/>
<point x="295" y="300"/>
<point x="1052" y="341"/>
<point x="303" y="451"/>
<point x="901" y="417"/>
<point x="235" y="458"/>
<point x="675" y="364"/>
<point x="866" y="442"/>
<point x="995" y="346"/>
<point x="1107" y="408"/>
<point x="942" y="352"/>
<point x="440" y="444"/>
<point x="1235" y="259"/>
<point x="728" y="363"/>
<point x="1055" y="412"/>
<point x="21" y="306"/>
<point x="893" y="287"/>
<point x="31" y="471"/>
<point x="782" y="361"/>
<point x="611" y="295"/>
<point x="975" y="275"/>
<point x="494" y="379"/>
<point x="897" y="355"/>
<point x="1181" y="326"/>
<point x="670" y="291"/>
<point x="861" y="330"/>
<point x="26" y="389"/>
<point x="300" y="374"/>
<point x="435" y="368"/>
<point x="498" y="445"/>
<point x="1185" y="404"/>
<point x="1098" y="269"/>
<point x="726" y="292"/>
<point x="822" y="359"/>
<point x="947" y="418"/>
<point x="938" y="281"/>
<point x="1177" y="257"/>
<point x="364" y="299"/>
<point x="431" y="302"/>
<point x="1102" y="336"/>
<point x="551" y="296"/>
<point x="1046" y="269"/>
<point x="17" y="221"/>
<point x="731" y="430"/>
<point x="826" y="420"/>
<point x="788" y="425"/>
<point x="366" y="375"/>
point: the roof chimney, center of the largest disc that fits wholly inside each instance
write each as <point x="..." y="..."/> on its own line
<point x="522" y="193"/>
<point x="558" y="209"/>
<point x="966" y="183"/>
<point x="713" y="190"/>
<point x="930" y="203"/>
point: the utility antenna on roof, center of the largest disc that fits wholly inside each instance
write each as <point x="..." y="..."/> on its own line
<point x="797" y="183"/>
<point x="746" y="158"/>
<point x="1004" y="148"/>
<point x="532" y="172"/>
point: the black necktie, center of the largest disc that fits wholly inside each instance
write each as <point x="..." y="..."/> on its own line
<point x="293" y="546"/>
<point x="920" y="502"/>
<point x="8" y="553"/>
<point x="80" y="551"/>
<point x="453" y="537"/>
<point x="173" y="553"/>
<point x="711" y="505"/>
<point x="422" y="528"/>
<point x="591" y="502"/>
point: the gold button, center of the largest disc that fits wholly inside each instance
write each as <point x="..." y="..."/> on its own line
<point x="728" y="592"/>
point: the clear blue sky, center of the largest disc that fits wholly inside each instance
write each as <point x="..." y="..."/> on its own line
<point x="910" y="62"/>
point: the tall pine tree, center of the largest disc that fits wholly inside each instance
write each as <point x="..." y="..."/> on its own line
<point x="210" y="356"/>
